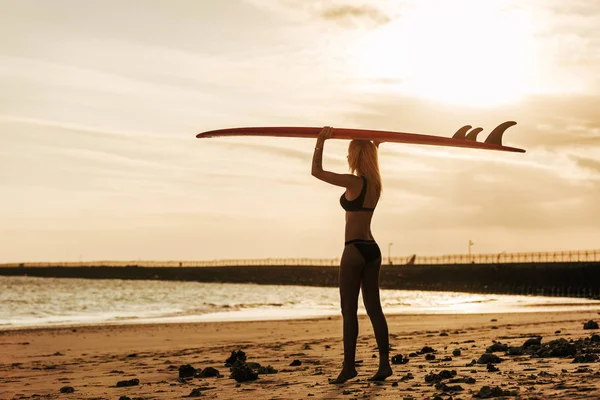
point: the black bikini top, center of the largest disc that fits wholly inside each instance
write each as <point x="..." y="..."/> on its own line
<point x="356" y="204"/>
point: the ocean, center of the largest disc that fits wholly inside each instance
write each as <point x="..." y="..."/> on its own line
<point x="43" y="302"/>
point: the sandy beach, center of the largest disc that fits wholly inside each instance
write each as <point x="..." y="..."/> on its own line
<point x="443" y="352"/>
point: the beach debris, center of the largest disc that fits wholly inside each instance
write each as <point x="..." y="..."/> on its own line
<point x="426" y="350"/>
<point x="555" y="348"/>
<point x="197" y="392"/>
<point x="67" y="389"/>
<point x="486" y="358"/>
<point x="515" y="351"/>
<point x="492" y="368"/>
<point x="399" y="359"/>
<point x="407" y="377"/>
<point x="585" y="358"/>
<point x="470" y="380"/>
<point x="208" y="372"/>
<point x="295" y="363"/>
<point x="456" y="352"/>
<point x="444" y="374"/>
<point x="497" y="347"/>
<point x="445" y="388"/>
<point x="130" y="382"/>
<point x="266" y="370"/>
<point x="486" y="392"/>
<point x="533" y="342"/>
<point x="241" y="372"/>
<point x="590" y="325"/>
<point x="235" y="356"/>
<point x="187" y="371"/>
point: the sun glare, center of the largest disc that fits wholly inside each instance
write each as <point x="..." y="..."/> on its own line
<point x="470" y="52"/>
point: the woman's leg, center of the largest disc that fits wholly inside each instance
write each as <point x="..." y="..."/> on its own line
<point x="372" y="301"/>
<point x="351" y="267"/>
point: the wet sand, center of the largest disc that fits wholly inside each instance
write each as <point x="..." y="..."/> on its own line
<point x="94" y="362"/>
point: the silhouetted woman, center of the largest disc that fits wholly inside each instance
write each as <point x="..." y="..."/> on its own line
<point x="361" y="259"/>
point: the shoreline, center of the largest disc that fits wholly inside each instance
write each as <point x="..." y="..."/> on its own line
<point x="165" y="322"/>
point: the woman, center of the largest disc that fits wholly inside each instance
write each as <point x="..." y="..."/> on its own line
<point x="361" y="259"/>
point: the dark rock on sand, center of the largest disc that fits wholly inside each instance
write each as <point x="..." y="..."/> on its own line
<point x="197" y="392"/>
<point x="445" y="388"/>
<point x="486" y="392"/>
<point x="241" y="372"/>
<point x="399" y="359"/>
<point x="456" y="352"/>
<point x="411" y="355"/>
<point x="555" y="348"/>
<point x="590" y="325"/>
<point x="253" y="365"/>
<point x="515" y="351"/>
<point x="430" y="357"/>
<point x="497" y="347"/>
<point x="447" y="358"/>
<point x="444" y="374"/>
<point x="187" y="371"/>
<point x="469" y="380"/>
<point x="407" y="377"/>
<point x="427" y="349"/>
<point x="295" y="363"/>
<point x="595" y="338"/>
<point x="67" y="389"/>
<point x="235" y="355"/>
<point x="489" y="358"/>
<point x="266" y="370"/>
<point x="585" y="358"/>
<point x="533" y="342"/>
<point x="492" y="368"/>
<point x="131" y="382"/>
<point x="208" y="372"/>
<point x="124" y="398"/>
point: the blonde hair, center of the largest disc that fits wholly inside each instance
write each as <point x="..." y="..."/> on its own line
<point x="362" y="159"/>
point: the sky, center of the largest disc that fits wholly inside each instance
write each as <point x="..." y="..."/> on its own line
<point x="100" y="103"/>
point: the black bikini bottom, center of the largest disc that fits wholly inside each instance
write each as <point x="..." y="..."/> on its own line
<point x="367" y="248"/>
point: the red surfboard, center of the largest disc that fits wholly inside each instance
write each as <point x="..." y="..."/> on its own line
<point x="464" y="137"/>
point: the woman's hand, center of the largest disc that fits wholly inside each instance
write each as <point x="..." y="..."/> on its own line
<point x="326" y="133"/>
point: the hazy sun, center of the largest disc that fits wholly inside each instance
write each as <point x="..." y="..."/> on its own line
<point x="470" y="52"/>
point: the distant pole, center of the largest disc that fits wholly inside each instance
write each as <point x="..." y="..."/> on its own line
<point x="470" y="244"/>
<point x="390" y="253"/>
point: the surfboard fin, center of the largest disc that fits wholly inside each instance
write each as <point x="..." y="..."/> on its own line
<point x="495" y="137"/>
<point x="472" y="135"/>
<point x="460" y="134"/>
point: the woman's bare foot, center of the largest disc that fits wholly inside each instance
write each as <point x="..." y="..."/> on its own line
<point x="383" y="373"/>
<point x="344" y="376"/>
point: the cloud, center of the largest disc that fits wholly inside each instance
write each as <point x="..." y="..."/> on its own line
<point x="588" y="163"/>
<point x="345" y="13"/>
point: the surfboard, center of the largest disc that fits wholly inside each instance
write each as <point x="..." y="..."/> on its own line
<point x="465" y="136"/>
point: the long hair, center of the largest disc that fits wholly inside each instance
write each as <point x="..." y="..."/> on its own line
<point x="362" y="159"/>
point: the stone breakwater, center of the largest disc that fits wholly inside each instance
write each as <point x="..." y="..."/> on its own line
<point x="569" y="279"/>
